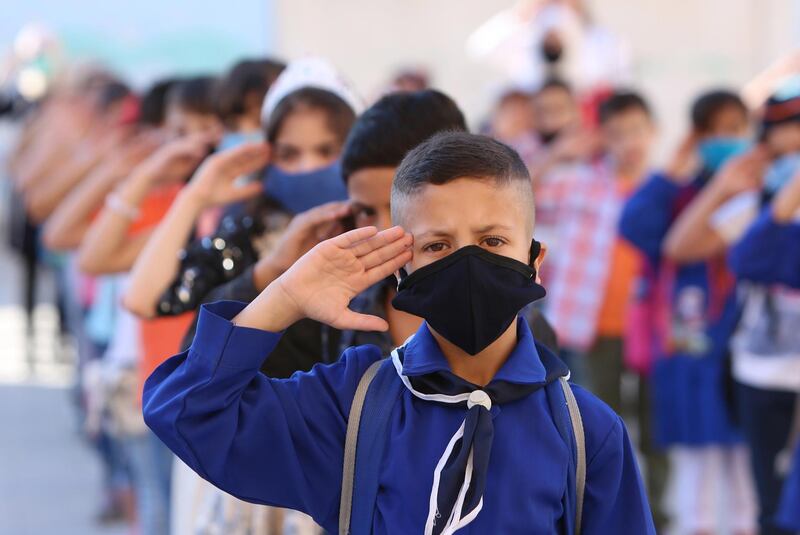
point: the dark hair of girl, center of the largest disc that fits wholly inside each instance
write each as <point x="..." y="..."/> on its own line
<point x="340" y="116"/>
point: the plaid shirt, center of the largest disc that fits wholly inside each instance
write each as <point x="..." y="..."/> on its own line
<point x="584" y="211"/>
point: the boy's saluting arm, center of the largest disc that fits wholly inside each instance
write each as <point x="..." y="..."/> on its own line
<point x="272" y="441"/>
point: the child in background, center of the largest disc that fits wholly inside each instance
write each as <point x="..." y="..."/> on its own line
<point x="767" y="345"/>
<point x="557" y="120"/>
<point x="86" y="314"/>
<point x="282" y="441"/>
<point x="512" y="122"/>
<point x="769" y="256"/>
<point x="238" y="98"/>
<point x="111" y="244"/>
<point x="693" y="306"/>
<point x="306" y="115"/>
<point x="563" y="145"/>
<point x="593" y="270"/>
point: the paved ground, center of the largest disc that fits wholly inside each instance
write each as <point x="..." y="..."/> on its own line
<point x="49" y="477"/>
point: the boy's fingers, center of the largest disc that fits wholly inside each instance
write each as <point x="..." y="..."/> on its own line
<point x="246" y="159"/>
<point x="387" y="252"/>
<point x="377" y="241"/>
<point x="381" y="271"/>
<point x="360" y="322"/>
<point x="246" y="191"/>
<point x="348" y="239"/>
<point x="326" y="213"/>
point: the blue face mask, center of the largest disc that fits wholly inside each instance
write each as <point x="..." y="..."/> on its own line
<point x="234" y="139"/>
<point x="716" y="151"/>
<point x="298" y="192"/>
<point x="781" y="171"/>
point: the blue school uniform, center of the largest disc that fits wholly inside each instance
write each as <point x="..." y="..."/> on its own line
<point x="768" y="253"/>
<point x="689" y="371"/>
<point x="788" y="516"/>
<point x="281" y="441"/>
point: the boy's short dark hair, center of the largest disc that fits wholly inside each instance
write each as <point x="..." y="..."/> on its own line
<point x="394" y="125"/>
<point x="710" y="103"/>
<point x="194" y="95"/>
<point x="153" y="105"/>
<point x="448" y="156"/>
<point x="248" y="79"/>
<point x="620" y="102"/>
<point x="339" y="114"/>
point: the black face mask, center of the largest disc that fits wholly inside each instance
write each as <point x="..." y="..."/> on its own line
<point x="471" y="296"/>
<point x="551" y="53"/>
<point x="548" y="137"/>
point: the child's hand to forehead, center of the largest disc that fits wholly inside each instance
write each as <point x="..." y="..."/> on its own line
<point x="322" y="283"/>
<point x="444" y="218"/>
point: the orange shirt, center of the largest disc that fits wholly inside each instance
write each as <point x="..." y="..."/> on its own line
<point x="625" y="267"/>
<point x="160" y="337"/>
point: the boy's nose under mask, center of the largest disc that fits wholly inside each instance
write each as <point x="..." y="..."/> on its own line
<point x="471" y="296"/>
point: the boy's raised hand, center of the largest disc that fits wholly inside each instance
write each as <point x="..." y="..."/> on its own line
<point x="742" y="173"/>
<point x="304" y="232"/>
<point x="175" y="160"/>
<point x="322" y="283"/>
<point x="215" y="184"/>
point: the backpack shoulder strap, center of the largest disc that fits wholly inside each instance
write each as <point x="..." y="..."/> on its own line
<point x="580" y="450"/>
<point x="567" y="418"/>
<point x="349" y="468"/>
<point x="365" y="442"/>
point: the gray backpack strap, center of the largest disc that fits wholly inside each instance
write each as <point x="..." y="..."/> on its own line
<point x="351" y="441"/>
<point x="580" y="449"/>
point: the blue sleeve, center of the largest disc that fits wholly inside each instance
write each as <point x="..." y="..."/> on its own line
<point x="269" y="441"/>
<point x="648" y="214"/>
<point x="768" y="253"/>
<point x="614" y="500"/>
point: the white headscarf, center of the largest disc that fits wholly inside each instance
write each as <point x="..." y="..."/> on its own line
<point x="310" y="72"/>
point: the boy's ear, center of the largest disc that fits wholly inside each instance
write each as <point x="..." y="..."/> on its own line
<point x="400" y="274"/>
<point x="537" y="262"/>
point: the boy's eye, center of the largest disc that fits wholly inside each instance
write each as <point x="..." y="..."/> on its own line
<point x="287" y="154"/>
<point x="326" y="151"/>
<point x="364" y="211"/>
<point x="493" y="241"/>
<point x="364" y="216"/>
<point x="437" y="247"/>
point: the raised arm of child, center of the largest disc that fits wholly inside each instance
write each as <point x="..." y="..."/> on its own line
<point x="214" y="184"/>
<point x="61" y="128"/>
<point x="648" y="214"/>
<point x="107" y="247"/>
<point x="69" y="222"/>
<point x="693" y="237"/>
<point x="45" y="197"/>
<point x="272" y="441"/>
<point x="769" y="252"/>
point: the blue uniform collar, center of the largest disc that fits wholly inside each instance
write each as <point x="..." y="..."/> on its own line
<point x="523" y="366"/>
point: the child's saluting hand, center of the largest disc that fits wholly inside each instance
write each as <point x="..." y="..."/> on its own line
<point x="322" y="283"/>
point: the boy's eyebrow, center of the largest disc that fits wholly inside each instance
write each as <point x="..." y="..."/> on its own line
<point x="489" y="228"/>
<point x="435" y="233"/>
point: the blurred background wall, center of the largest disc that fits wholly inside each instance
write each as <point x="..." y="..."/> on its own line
<point x="680" y="45"/>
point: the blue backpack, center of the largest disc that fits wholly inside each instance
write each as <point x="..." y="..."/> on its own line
<point x="376" y="395"/>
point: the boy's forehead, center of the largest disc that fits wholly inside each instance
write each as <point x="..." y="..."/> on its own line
<point x="465" y="202"/>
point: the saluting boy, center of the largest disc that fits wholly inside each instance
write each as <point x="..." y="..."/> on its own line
<point x="471" y="443"/>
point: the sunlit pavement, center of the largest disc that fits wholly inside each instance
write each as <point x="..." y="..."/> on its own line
<point x="49" y="476"/>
